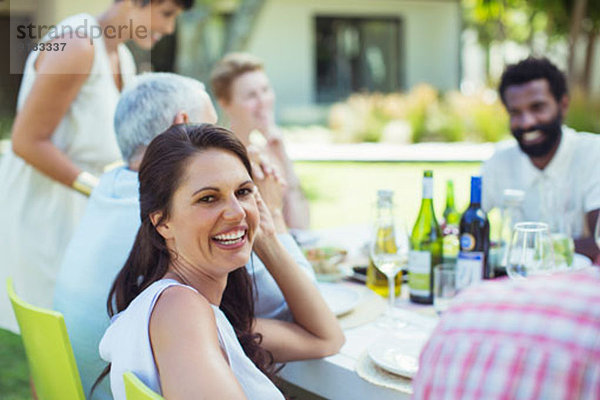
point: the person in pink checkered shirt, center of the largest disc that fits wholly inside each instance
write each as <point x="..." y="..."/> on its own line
<point x="525" y="339"/>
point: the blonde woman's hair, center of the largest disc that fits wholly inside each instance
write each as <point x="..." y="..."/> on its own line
<point x="228" y="69"/>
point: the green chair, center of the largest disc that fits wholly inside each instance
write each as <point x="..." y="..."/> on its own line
<point x="137" y="390"/>
<point x="49" y="353"/>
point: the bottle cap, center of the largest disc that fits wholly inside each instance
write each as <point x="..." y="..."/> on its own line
<point x="385" y="193"/>
<point x="476" y="189"/>
<point x="385" y="196"/>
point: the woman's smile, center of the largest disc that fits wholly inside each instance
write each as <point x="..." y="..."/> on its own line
<point x="231" y="239"/>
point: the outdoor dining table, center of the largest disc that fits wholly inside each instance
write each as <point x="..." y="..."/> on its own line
<point x="335" y="377"/>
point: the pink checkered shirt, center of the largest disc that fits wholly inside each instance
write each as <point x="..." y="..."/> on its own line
<point x="529" y="339"/>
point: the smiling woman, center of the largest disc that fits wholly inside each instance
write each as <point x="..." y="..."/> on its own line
<point x="185" y="323"/>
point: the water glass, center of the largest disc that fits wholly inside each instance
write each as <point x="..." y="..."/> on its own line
<point x="597" y="232"/>
<point x="531" y="251"/>
<point x="562" y="239"/>
<point x="444" y="286"/>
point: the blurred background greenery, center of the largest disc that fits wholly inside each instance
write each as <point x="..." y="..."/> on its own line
<point x="342" y="193"/>
<point x="424" y="114"/>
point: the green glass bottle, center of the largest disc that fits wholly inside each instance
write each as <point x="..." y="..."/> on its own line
<point x="426" y="247"/>
<point x="450" y="226"/>
<point x="376" y="280"/>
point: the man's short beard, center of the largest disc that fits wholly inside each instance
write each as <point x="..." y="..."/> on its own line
<point x="552" y="132"/>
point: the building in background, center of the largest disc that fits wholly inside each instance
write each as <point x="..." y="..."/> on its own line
<point x="315" y="51"/>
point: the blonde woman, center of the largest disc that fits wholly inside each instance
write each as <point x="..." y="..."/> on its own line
<point x="244" y="93"/>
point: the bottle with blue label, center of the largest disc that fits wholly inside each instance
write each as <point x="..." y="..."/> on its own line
<point x="473" y="258"/>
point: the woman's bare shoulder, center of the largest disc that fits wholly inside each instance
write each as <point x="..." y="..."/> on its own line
<point x="183" y="302"/>
<point x="184" y="308"/>
<point x="71" y="55"/>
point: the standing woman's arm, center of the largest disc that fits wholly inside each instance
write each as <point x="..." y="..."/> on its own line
<point x="59" y="77"/>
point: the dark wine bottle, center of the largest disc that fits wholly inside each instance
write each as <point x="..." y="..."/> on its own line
<point x="472" y="264"/>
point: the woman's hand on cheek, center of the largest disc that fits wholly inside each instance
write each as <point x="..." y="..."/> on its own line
<point x="266" y="227"/>
<point x="271" y="188"/>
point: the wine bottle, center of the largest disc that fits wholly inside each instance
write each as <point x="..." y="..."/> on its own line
<point x="473" y="259"/>
<point x="376" y="280"/>
<point x="426" y="247"/>
<point x="450" y="226"/>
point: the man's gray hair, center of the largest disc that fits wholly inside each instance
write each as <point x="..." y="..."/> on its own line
<point x="148" y="106"/>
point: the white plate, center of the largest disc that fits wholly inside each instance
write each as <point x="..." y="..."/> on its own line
<point x="344" y="271"/>
<point x="580" y="261"/>
<point x="340" y="299"/>
<point x="398" y="353"/>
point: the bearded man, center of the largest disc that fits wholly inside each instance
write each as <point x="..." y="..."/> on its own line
<point x="557" y="168"/>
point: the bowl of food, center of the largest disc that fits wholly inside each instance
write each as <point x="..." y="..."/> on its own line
<point x="326" y="261"/>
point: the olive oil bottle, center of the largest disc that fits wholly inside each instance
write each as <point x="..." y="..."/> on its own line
<point x="376" y="280"/>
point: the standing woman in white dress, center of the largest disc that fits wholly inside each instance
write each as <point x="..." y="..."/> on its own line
<point x="63" y="137"/>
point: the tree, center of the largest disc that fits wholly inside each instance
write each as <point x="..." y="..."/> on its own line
<point x="211" y="29"/>
<point x="558" y="20"/>
<point x="577" y="15"/>
<point x="242" y="23"/>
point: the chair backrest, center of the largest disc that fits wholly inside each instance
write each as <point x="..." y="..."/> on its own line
<point x="49" y="353"/>
<point x="135" y="389"/>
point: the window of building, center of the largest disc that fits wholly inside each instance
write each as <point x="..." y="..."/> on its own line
<point x="357" y="54"/>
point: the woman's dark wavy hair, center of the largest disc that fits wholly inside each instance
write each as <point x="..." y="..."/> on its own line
<point x="161" y="172"/>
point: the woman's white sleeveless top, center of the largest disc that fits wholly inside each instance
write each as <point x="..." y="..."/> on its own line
<point x="126" y="345"/>
<point x="38" y="214"/>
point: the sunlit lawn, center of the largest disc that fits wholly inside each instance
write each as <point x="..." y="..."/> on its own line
<point x="344" y="193"/>
<point x="14" y="381"/>
<point x="339" y="193"/>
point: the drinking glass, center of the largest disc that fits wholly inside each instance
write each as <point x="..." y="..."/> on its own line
<point x="597" y="232"/>
<point x="531" y="251"/>
<point x="562" y="240"/>
<point x="389" y="251"/>
<point x="444" y="286"/>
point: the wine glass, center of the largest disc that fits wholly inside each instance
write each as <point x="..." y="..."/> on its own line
<point x="389" y="251"/>
<point x="530" y="251"/>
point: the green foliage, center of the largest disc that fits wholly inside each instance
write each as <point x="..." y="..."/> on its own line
<point x="347" y="190"/>
<point x="583" y="114"/>
<point x="429" y="116"/>
<point x="5" y="127"/>
<point x="14" y="374"/>
<point x="517" y="20"/>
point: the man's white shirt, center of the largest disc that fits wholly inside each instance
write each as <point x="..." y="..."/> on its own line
<point x="563" y="192"/>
